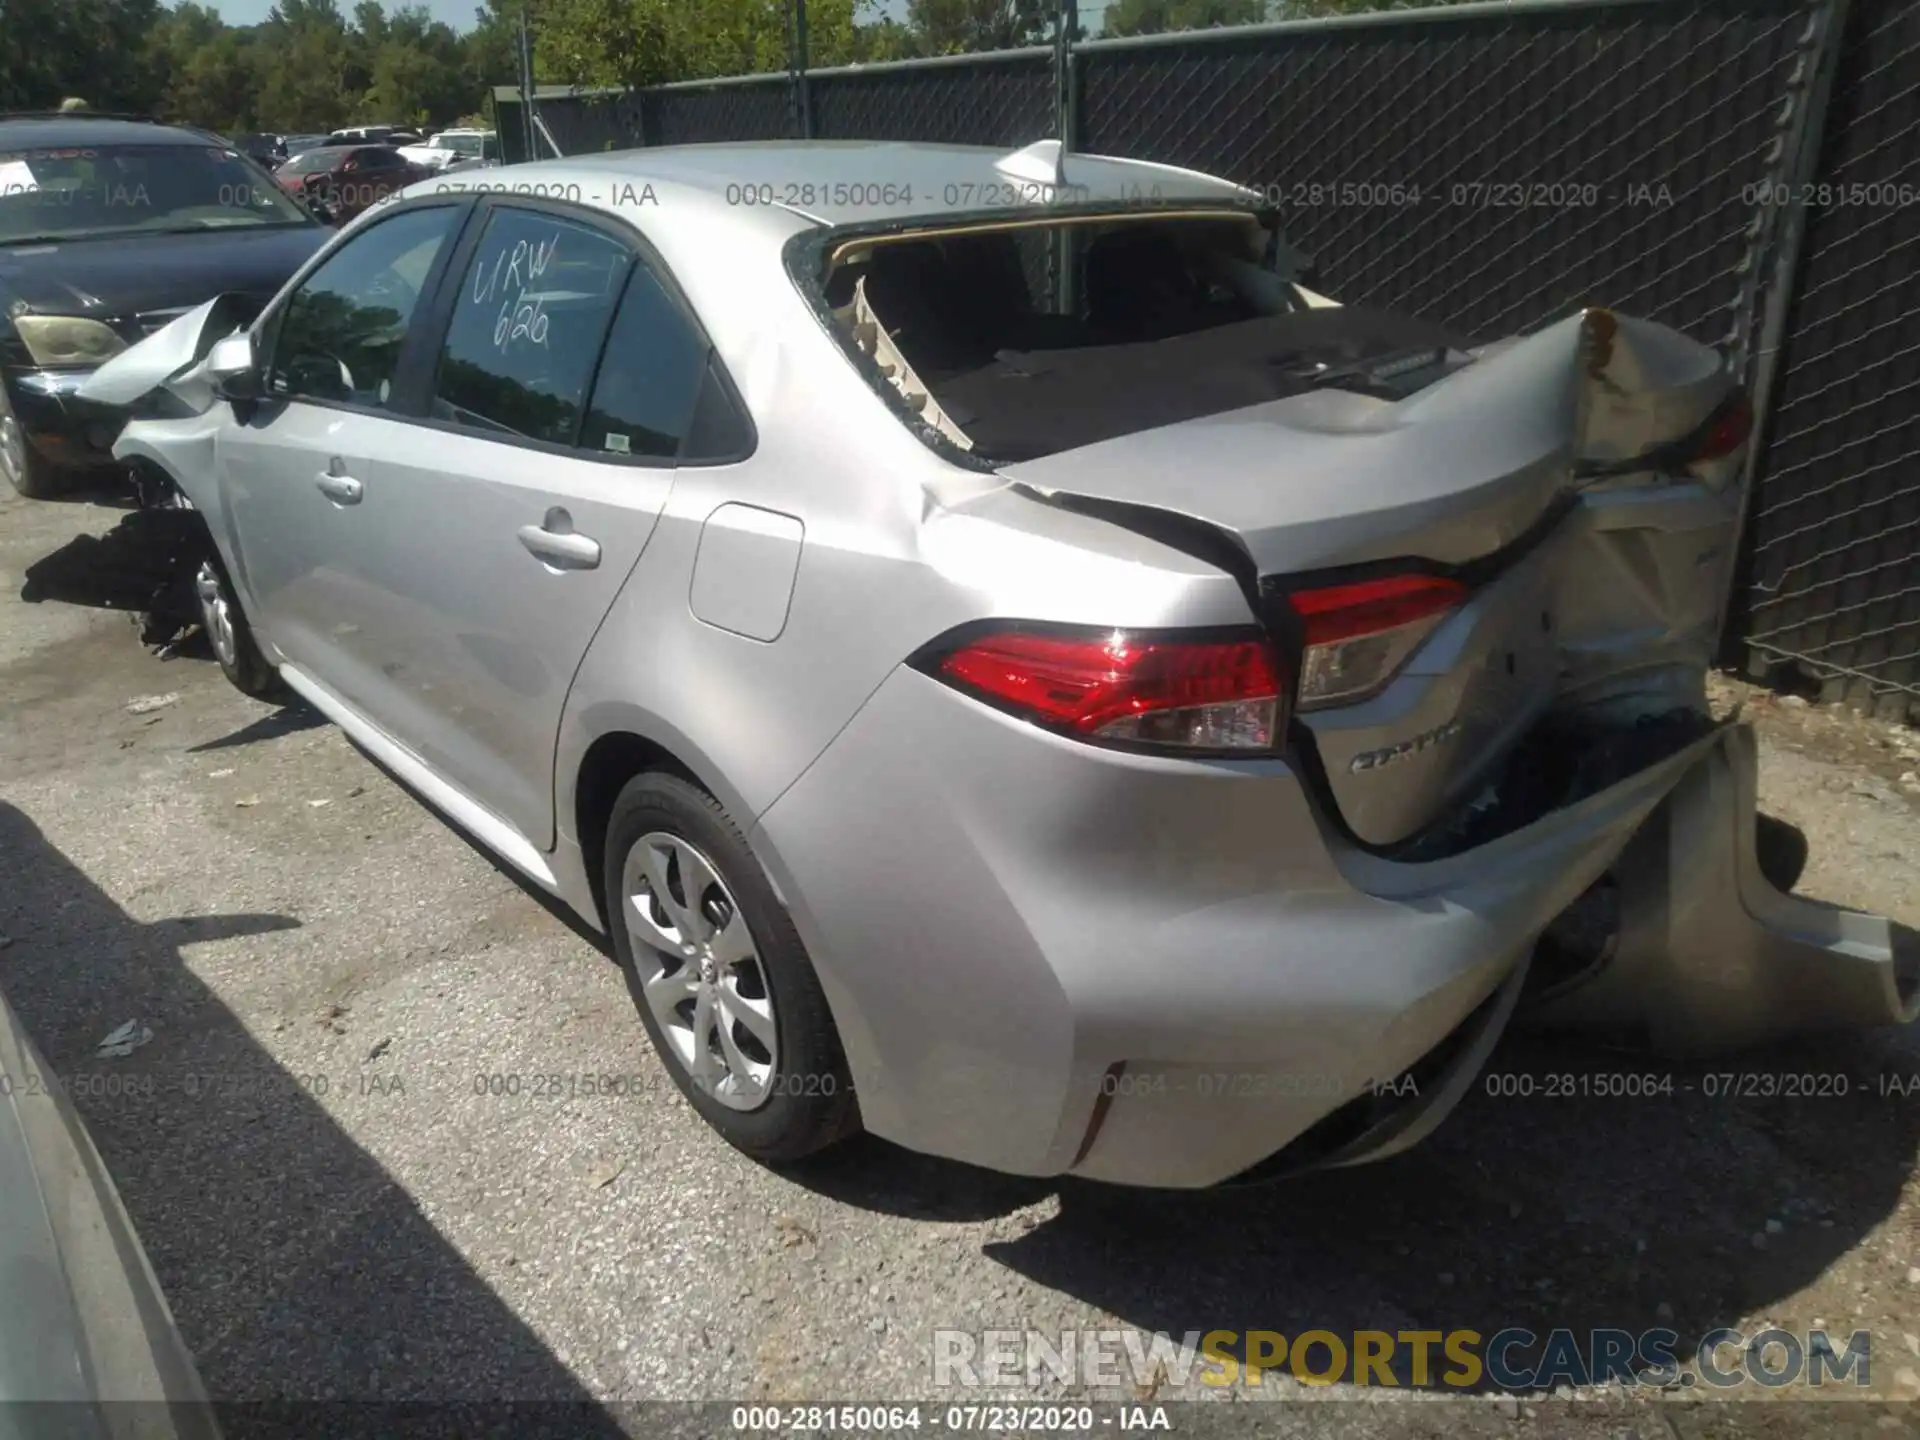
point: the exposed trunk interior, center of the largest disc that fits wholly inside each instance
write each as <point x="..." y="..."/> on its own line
<point x="1164" y="320"/>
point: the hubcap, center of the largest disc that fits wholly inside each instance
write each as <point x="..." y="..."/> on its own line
<point x="700" y="970"/>
<point x="216" y="613"/>
<point x="13" y="448"/>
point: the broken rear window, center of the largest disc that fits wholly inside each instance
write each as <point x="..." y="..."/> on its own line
<point x="1159" y="319"/>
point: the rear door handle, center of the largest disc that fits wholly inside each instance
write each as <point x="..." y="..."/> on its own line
<point x="555" y="541"/>
<point x="341" y="489"/>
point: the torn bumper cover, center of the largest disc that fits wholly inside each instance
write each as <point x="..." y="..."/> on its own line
<point x="1709" y="956"/>
<point x="1706" y="957"/>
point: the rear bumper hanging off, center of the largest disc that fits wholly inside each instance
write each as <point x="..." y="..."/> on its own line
<point x="1710" y="956"/>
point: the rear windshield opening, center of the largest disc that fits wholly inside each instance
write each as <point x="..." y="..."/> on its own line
<point x="1160" y="319"/>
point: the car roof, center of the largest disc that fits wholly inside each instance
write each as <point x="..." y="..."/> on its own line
<point x="841" y="182"/>
<point x="23" y="132"/>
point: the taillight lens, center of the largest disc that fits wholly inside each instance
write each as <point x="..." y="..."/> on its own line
<point x="1728" y="431"/>
<point x="1148" y="689"/>
<point x="1357" y="636"/>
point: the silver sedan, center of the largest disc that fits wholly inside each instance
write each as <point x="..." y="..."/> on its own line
<point x="1007" y="664"/>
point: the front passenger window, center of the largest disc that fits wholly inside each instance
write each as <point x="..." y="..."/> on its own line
<point x="339" y="337"/>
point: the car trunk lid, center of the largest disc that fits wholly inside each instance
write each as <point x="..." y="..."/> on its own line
<point x="1543" y="474"/>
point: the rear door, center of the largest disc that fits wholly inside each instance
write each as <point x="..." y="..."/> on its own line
<point x="565" y="379"/>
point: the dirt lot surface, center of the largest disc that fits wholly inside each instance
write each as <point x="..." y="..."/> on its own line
<point x="341" y="1204"/>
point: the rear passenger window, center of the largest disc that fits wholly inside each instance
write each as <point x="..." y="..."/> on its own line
<point x="655" y="363"/>
<point x="528" y="326"/>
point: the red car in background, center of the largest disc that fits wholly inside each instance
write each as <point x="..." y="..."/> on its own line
<point x="340" y="181"/>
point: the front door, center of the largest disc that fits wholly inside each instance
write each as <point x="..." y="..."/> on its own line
<point x="304" y="475"/>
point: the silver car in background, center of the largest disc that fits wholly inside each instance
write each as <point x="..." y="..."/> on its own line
<point x="1007" y="665"/>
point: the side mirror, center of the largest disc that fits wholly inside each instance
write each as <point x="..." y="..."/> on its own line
<point x="231" y="368"/>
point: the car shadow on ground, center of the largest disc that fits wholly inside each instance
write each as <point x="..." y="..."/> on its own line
<point x="290" y="719"/>
<point x="297" y="1269"/>
<point x="144" y="565"/>
<point x="1567" y="1207"/>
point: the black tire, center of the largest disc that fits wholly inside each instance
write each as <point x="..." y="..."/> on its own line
<point x="809" y="1103"/>
<point x="238" y="653"/>
<point x="1780" y="848"/>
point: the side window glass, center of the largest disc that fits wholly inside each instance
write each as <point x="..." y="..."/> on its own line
<point x="655" y="362"/>
<point x="528" y="325"/>
<point x="340" y="335"/>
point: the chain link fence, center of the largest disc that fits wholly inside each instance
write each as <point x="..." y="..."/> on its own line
<point x="996" y="99"/>
<point x="1488" y="171"/>
<point x="1494" y="166"/>
<point x="1834" y="523"/>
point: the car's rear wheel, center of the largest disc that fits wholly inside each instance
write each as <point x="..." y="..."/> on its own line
<point x="31" y="474"/>
<point x="718" y="973"/>
<point x="231" y="637"/>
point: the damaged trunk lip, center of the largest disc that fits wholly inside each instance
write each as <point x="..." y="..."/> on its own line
<point x="1670" y="456"/>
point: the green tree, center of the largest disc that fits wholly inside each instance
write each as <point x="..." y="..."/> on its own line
<point x="1154" y="17"/>
<point x="208" y="69"/>
<point x="956" y="27"/>
<point x="649" y="42"/>
<point x="50" y="49"/>
<point x="416" y="67"/>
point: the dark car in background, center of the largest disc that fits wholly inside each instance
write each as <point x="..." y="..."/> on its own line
<point x="269" y="150"/>
<point x="339" y="181"/>
<point x="110" y="228"/>
<point x="300" y="144"/>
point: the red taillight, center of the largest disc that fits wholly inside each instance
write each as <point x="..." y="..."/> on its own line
<point x="1357" y="636"/>
<point x="1147" y="689"/>
<point x="1729" y="430"/>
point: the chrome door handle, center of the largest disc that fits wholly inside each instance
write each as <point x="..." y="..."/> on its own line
<point x="341" y="489"/>
<point x="562" y="549"/>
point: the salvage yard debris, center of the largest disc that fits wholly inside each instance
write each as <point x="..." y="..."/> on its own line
<point x="123" y="1041"/>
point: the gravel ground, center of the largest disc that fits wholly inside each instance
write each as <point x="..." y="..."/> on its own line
<point x="339" y="1208"/>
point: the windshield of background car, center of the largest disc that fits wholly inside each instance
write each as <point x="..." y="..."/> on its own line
<point x="72" y="192"/>
<point x="309" y="161"/>
<point x="464" y="145"/>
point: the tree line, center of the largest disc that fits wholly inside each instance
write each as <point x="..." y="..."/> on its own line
<point x="313" y="66"/>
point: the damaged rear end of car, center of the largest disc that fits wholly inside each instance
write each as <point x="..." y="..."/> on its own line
<point x="1484" y="581"/>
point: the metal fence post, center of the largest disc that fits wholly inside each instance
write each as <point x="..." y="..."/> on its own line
<point x="1780" y="227"/>
<point x="799" y="101"/>
<point x="1066" y="96"/>
<point x="525" y="59"/>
